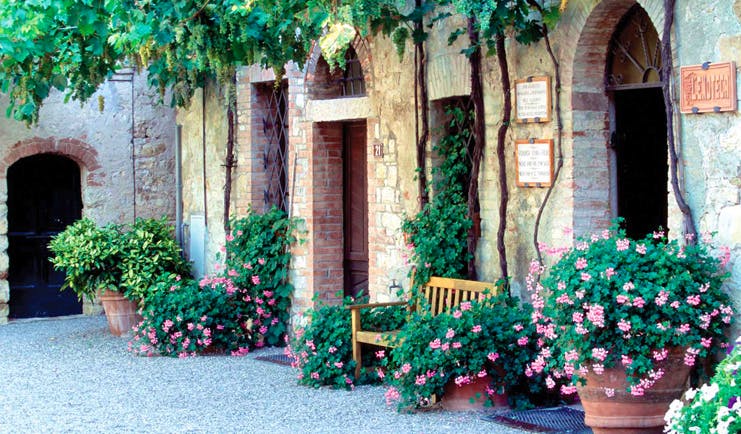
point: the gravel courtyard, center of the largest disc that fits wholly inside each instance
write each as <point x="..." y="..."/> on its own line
<point x="71" y="375"/>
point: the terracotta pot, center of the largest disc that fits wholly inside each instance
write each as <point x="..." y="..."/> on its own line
<point x="625" y="413"/>
<point x="120" y="312"/>
<point x="471" y="396"/>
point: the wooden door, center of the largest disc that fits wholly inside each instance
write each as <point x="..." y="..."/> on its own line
<point x="355" y="197"/>
<point x="642" y="161"/>
<point x="43" y="198"/>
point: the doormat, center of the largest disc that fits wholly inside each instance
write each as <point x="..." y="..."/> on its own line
<point x="280" y="359"/>
<point x="545" y="420"/>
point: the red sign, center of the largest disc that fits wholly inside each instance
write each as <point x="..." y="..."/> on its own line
<point x="707" y="88"/>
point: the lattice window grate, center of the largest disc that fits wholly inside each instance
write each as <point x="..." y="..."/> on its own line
<point x="275" y="161"/>
<point x="352" y="82"/>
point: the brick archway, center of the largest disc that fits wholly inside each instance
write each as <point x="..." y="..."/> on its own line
<point x="91" y="176"/>
<point x="590" y="105"/>
<point x="313" y="74"/>
<point x="82" y="153"/>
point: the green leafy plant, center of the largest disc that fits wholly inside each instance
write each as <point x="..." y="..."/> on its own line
<point x="245" y="307"/>
<point x="183" y="318"/>
<point x="612" y="301"/>
<point x="148" y="251"/>
<point x="257" y="259"/>
<point x="126" y="259"/>
<point x="491" y="337"/>
<point x="322" y="351"/>
<point x="437" y="234"/>
<point x="713" y="408"/>
<point x="89" y="255"/>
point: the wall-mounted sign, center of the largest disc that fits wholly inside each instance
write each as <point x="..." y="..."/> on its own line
<point x="533" y="99"/>
<point x="378" y="149"/>
<point x="534" y="162"/>
<point x="710" y="87"/>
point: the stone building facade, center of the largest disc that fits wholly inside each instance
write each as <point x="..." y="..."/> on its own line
<point x="111" y="176"/>
<point x="599" y="98"/>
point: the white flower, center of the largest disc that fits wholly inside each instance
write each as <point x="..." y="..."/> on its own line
<point x="709" y="392"/>
<point x="690" y="394"/>
<point x="723" y="426"/>
<point x="675" y="409"/>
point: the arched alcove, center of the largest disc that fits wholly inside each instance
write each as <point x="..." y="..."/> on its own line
<point x="592" y="109"/>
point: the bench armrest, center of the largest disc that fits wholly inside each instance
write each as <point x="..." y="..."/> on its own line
<point x="372" y="305"/>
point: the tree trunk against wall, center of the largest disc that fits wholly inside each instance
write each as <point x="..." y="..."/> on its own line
<point x="479" y="134"/>
<point x="231" y="102"/>
<point x="420" y="59"/>
<point x="688" y="221"/>
<point x="501" y="142"/>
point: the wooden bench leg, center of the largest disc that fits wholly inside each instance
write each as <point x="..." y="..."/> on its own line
<point x="356" y="350"/>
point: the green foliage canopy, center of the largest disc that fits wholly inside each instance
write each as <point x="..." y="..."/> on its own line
<point x="74" y="45"/>
<point x="47" y="44"/>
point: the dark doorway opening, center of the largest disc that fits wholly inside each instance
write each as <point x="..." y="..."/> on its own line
<point x="43" y="198"/>
<point x="642" y="154"/>
<point x="355" y="215"/>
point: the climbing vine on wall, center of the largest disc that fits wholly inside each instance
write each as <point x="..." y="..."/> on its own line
<point x="689" y="227"/>
<point x="437" y="234"/>
<point x="489" y="24"/>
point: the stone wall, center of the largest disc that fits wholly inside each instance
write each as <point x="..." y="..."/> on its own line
<point x="710" y="30"/>
<point x="204" y="133"/>
<point x="100" y="142"/>
<point x="583" y="199"/>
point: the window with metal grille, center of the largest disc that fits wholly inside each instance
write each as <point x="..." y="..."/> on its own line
<point x="275" y="134"/>
<point x="352" y="82"/>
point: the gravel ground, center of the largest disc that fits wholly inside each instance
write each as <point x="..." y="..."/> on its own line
<point x="71" y="375"/>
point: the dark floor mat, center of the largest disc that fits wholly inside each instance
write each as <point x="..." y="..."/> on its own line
<point x="545" y="420"/>
<point x="280" y="359"/>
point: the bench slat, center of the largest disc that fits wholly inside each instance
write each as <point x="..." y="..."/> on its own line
<point x="461" y="284"/>
<point x="382" y="339"/>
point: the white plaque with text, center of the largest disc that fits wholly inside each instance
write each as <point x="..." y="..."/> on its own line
<point x="533" y="99"/>
<point x="534" y="162"/>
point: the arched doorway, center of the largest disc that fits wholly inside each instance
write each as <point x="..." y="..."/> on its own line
<point x="43" y="198"/>
<point x="638" y="125"/>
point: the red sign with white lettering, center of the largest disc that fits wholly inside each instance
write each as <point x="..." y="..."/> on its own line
<point x="707" y="88"/>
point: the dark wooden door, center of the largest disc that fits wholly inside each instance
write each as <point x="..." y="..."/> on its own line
<point x="43" y="198"/>
<point x="642" y="161"/>
<point x="355" y="199"/>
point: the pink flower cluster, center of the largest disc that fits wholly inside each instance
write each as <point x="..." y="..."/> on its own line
<point x="179" y="337"/>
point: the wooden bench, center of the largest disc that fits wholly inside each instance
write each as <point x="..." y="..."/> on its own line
<point x="440" y="293"/>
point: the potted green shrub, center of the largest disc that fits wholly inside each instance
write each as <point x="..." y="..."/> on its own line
<point x="147" y="252"/>
<point x="119" y="265"/>
<point x="619" y="319"/>
<point x="90" y="256"/>
<point x="470" y="355"/>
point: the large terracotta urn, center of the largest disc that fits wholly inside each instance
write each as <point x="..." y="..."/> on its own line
<point x="471" y="396"/>
<point x="121" y="313"/>
<point x="625" y="413"/>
